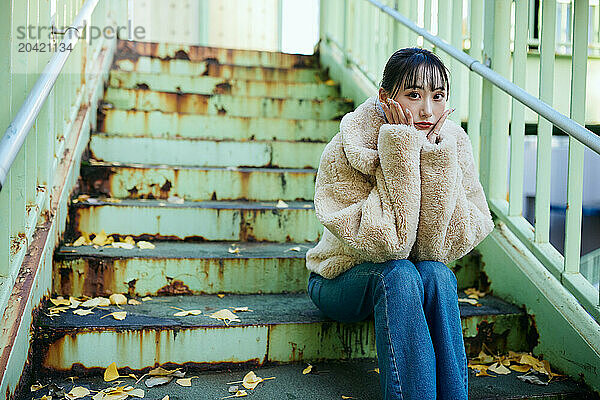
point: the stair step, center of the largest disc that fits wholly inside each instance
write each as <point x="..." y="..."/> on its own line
<point x="226" y="71"/>
<point x="223" y="105"/>
<point x="196" y="183"/>
<point x="180" y="84"/>
<point x="202" y="220"/>
<point x="176" y="125"/>
<point x="181" y="268"/>
<point x="131" y="50"/>
<point x="192" y="103"/>
<point x="281" y="328"/>
<point x="327" y="380"/>
<point x="206" y="153"/>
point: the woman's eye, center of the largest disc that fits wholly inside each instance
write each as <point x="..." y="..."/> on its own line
<point x="413" y="95"/>
<point x="440" y="95"/>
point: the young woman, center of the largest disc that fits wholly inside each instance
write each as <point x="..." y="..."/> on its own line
<point x="399" y="196"/>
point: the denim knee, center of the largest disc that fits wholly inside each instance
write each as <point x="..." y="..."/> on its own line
<point x="401" y="275"/>
<point x="438" y="273"/>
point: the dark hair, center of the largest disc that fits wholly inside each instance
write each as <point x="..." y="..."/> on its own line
<point x="412" y="66"/>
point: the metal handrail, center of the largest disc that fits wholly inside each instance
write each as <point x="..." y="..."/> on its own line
<point x="569" y="126"/>
<point x="17" y="131"/>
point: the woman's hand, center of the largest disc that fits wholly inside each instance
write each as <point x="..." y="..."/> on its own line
<point x="395" y="114"/>
<point x="434" y="134"/>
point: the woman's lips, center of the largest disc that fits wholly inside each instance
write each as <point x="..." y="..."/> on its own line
<point x="423" y="125"/>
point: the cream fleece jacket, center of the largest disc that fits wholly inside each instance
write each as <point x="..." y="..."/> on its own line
<point x="384" y="192"/>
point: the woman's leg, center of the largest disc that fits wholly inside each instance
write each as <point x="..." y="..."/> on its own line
<point x="443" y="318"/>
<point x="394" y="291"/>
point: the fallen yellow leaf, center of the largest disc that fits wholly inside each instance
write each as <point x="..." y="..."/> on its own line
<point x="101" y="239"/>
<point x="119" y="315"/>
<point x="147" y="298"/>
<point x="145" y="245"/>
<point x="81" y="311"/>
<point x="129" y="240"/>
<point x="225" y="315"/>
<point x="121" y="245"/>
<point x="470" y="301"/>
<point x="347" y="397"/>
<point x="186" y="382"/>
<point x="111" y="373"/>
<point x="307" y="369"/>
<point x="60" y="301"/>
<point x="233" y="250"/>
<point x="281" y="204"/>
<point x="118" y="299"/>
<point x="520" y="368"/>
<point x="36" y="386"/>
<point x="499" y="369"/>
<point x="221" y="295"/>
<point x="77" y="393"/>
<point x="134" y="302"/>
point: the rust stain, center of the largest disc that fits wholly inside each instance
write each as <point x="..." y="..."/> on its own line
<point x="181" y="55"/>
<point x="142" y="86"/>
<point x="222" y="88"/>
<point x="175" y="287"/>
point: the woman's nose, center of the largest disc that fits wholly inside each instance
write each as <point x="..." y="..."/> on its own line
<point x="426" y="109"/>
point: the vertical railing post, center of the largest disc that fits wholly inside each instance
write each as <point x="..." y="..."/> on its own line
<point x="517" y="124"/>
<point x="5" y="83"/>
<point x="455" y="66"/>
<point x="279" y="25"/>
<point x="345" y="42"/>
<point x="576" y="148"/>
<point x="475" y="51"/>
<point x="544" y="133"/>
<point x="427" y="22"/>
<point x="495" y="103"/>
<point x="204" y="21"/>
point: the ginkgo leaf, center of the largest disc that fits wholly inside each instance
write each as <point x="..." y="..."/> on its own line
<point x="165" y="398"/>
<point x="520" y="368"/>
<point x="184" y="313"/>
<point x="250" y="380"/>
<point x="232" y="250"/>
<point x="147" y="298"/>
<point x="111" y="373"/>
<point x="187" y="382"/>
<point x="46" y="397"/>
<point x="96" y="302"/>
<point x="118" y="299"/>
<point x="307" y="369"/>
<point x="240" y="309"/>
<point x="376" y="370"/>
<point x="145" y="245"/>
<point x="118" y="315"/>
<point x="330" y="82"/>
<point x="81" y="311"/>
<point x="532" y="379"/>
<point x="60" y="301"/>
<point x="225" y="315"/>
<point x="281" y="204"/>
<point x="221" y="295"/>
<point x="239" y="393"/>
<point x="474" y="293"/>
<point x="470" y="301"/>
<point x="134" y="302"/>
<point x="499" y="369"/>
<point x="121" y="245"/>
<point x="347" y="397"/>
<point x="129" y="240"/>
<point x="484" y="358"/>
<point x="101" y="239"/>
<point x="77" y="393"/>
<point x="83" y="240"/>
<point x="158" y="380"/>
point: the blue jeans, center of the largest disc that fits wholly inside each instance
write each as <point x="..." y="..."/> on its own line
<point x="418" y="334"/>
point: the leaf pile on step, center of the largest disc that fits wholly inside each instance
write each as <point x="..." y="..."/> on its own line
<point x="85" y="305"/>
<point x="102" y="239"/>
<point x="484" y="363"/>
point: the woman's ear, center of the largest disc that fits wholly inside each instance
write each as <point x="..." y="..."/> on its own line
<point x="383" y="95"/>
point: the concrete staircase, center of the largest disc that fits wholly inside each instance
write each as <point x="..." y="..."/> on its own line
<point x="231" y="133"/>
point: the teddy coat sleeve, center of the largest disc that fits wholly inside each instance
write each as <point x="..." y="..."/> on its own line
<point x="454" y="215"/>
<point x="376" y="216"/>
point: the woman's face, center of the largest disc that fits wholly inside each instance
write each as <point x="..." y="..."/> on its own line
<point x="426" y="105"/>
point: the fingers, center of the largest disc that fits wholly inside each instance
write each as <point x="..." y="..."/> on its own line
<point x="409" y="118"/>
<point x="400" y="113"/>
<point x="434" y="133"/>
